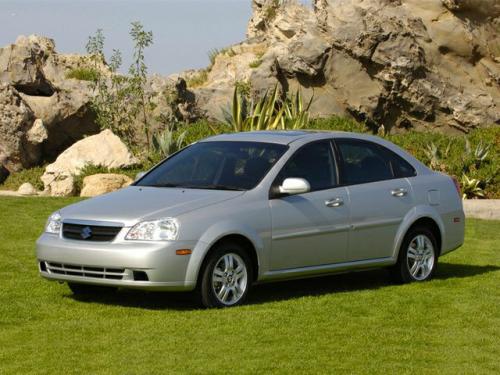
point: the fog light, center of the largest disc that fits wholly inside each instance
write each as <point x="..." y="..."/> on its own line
<point x="140" y="276"/>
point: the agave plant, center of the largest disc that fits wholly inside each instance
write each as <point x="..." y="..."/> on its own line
<point x="296" y="116"/>
<point x="270" y="112"/>
<point x="437" y="157"/>
<point x="481" y="153"/>
<point x="471" y="188"/>
<point x="165" y="143"/>
<point x="477" y="156"/>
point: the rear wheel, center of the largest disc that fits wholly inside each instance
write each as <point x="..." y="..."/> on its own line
<point x="226" y="276"/>
<point x="417" y="258"/>
<point x="84" y="289"/>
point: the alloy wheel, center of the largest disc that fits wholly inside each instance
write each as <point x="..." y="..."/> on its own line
<point x="420" y="257"/>
<point x="229" y="279"/>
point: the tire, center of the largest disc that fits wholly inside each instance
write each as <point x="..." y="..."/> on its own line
<point x="87" y="289"/>
<point x="226" y="276"/>
<point x="418" y="256"/>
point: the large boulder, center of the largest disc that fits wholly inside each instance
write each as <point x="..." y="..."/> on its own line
<point x="102" y="150"/>
<point x="432" y="64"/>
<point x="103" y="183"/>
<point x="17" y="148"/>
<point x="27" y="189"/>
<point x="32" y="70"/>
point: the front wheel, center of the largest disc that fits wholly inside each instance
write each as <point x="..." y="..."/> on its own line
<point x="417" y="258"/>
<point x="226" y="276"/>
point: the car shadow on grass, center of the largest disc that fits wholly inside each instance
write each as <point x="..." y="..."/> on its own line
<point x="280" y="291"/>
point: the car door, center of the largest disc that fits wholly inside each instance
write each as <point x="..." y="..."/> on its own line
<point x="380" y="196"/>
<point x="310" y="229"/>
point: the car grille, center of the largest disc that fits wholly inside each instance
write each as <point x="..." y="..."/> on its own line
<point x="96" y="233"/>
<point x="85" y="271"/>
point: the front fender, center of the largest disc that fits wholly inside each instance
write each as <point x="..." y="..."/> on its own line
<point x="418" y="212"/>
<point x="213" y="234"/>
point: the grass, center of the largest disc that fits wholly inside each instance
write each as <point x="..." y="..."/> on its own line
<point x="198" y="79"/>
<point x="354" y="323"/>
<point x="255" y="63"/>
<point x="31" y="175"/>
<point x="82" y="74"/>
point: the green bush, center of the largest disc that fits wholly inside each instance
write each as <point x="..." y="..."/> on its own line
<point x="83" y="74"/>
<point x="255" y="63"/>
<point x="31" y="175"/>
<point x="456" y="155"/>
<point x="453" y="155"/>
<point x="198" y="79"/>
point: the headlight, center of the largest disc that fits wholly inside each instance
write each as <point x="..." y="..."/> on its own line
<point x="157" y="230"/>
<point x="54" y="223"/>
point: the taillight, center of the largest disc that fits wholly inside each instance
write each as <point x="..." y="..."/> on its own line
<point x="457" y="186"/>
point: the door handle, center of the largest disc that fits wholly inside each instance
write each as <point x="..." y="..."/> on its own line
<point x="399" y="192"/>
<point x="335" y="202"/>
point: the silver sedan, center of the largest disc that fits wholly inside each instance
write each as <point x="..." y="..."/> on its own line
<point x="236" y="209"/>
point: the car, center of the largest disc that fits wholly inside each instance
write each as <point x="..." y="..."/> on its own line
<point x="237" y="209"/>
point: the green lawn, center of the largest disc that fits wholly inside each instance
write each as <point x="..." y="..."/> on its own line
<point x="355" y="323"/>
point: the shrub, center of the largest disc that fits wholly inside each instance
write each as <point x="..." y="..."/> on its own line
<point x="270" y="112"/>
<point x="255" y="64"/>
<point x="214" y="52"/>
<point x="31" y="175"/>
<point x="167" y="142"/>
<point x="198" y="79"/>
<point x="471" y="187"/>
<point x="200" y="130"/>
<point x="82" y="74"/>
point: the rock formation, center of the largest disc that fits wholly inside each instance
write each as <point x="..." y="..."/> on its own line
<point x="27" y="189"/>
<point x="101" y="150"/>
<point x="398" y="63"/>
<point x="42" y="112"/>
<point x="103" y="183"/>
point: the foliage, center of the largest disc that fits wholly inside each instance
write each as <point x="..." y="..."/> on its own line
<point x="82" y="74"/>
<point x="167" y="142"/>
<point x="378" y="325"/>
<point x="337" y="123"/>
<point x="471" y="187"/>
<point x="121" y="99"/>
<point x="271" y="10"/>
<point x="255" y="63"/>
<point x="198" y="79"/>
<point x="477" y="155"/>
<point x="138" y="73"/>
<point x="270" y="112"/>
<point x="214" y="52"/>
<point x="31" y="175"/>
<point x="200" y="130"/>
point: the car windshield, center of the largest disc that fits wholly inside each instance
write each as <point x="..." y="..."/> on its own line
<point x="216" y="165"/>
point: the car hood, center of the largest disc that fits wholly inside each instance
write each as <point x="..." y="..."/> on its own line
<point x="134" y="203"/>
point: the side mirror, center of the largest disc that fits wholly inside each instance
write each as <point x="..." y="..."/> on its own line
<point x="139" y="175"/>
<point x="293" y="186"/>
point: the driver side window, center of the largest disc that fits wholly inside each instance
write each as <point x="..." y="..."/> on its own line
<point x="313" y="162"/>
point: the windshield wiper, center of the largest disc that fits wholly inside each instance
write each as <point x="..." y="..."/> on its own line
<point x="215" y="187"/>
<point x="165" y="185"/>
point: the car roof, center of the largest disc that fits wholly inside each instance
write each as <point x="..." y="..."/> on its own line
<point x="283" y="137"/>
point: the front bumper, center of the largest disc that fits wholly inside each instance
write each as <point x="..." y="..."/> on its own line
<point x="116" y="263"/>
